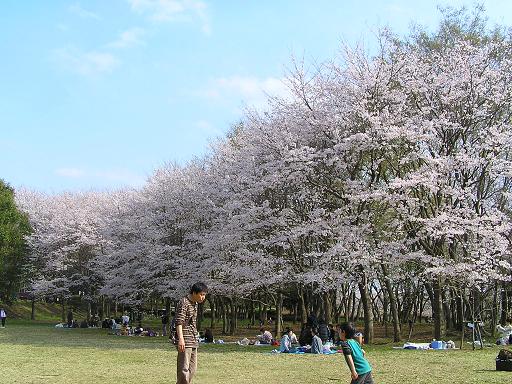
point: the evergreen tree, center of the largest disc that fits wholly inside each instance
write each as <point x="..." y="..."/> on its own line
<point x="14" y="226"/>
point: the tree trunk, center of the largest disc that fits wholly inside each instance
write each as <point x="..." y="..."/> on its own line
<point x="327" y="308"/>
<point x="504" y="304"/>
<point x="392" y="304"/>
<point x="367" y="309"/>
<point x="232" y="319"/>
<point x="354" y="309"/>
<point x="102" y="308"/>
<point x="460" y="313"/>
<point x="302" y="306"/>
<point x="279" y="314"/>
<point x="422" y="304"/>
<point x="89" y="311"/>
<point x="494" y="312"/>
<point x="212" y="312"/>
<point x="223" y="314"/>
<point x="63" y="311"/>
<point x="167" y="304"/>
<point x="438" y="312"/>
<point x="33" y="309"/>
<point x="385" y="313"/>
<point x="252" y="319"/>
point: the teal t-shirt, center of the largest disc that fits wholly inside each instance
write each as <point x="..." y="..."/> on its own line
<point x="352" y="347"/>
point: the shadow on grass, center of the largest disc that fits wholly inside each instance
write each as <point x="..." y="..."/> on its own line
<point x="486" y="370"/>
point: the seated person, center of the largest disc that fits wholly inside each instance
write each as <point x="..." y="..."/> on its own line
<point x="305" y="337"/>
<point x="323" y="331"/>
<point x="286" y="342"/>
<point x="316" y="345"/>
<point x="138" y="330"/>
<point x="332" y="334"/>
<point x="208" y="335"/>
<point x="265" y="337"/>
<point x="293" y="336"/>
<point x="505" y="332"/>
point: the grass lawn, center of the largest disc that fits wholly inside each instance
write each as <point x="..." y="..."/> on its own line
<point x="39" y="353"/>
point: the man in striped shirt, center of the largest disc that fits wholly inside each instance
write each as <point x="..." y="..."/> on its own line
<point x="186" y="329"/>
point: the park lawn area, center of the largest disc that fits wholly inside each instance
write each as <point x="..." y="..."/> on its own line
<point x="40" y="353"/>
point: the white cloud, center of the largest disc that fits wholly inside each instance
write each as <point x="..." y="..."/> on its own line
<point x="250" y="90"/>
<point x="174" y="10"/>
<point x="85" y="63"/>
<point x="128" y="38"/>
<point x="83" y="13"/>
<point x="73" y="173"/>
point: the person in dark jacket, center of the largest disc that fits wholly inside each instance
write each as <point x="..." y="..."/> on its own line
<point x="312" y="320"/>
<point x="305" y="337"/>
<point x="208" y="335"/>
<point x="323" y="331"/>
<point x="165" y="321"/>
<point x="70" y="319"/>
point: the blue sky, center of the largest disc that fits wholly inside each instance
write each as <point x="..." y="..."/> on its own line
<point x="97" y="94"/>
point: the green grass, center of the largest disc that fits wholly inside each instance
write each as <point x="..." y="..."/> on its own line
<point x="39" y="353"/>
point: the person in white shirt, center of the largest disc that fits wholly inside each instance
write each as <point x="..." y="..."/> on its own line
<point x="126" y="319"/>
<point x="505" y="333"/>
<point x="3" y="316"/>
<point x="286" y="342"/>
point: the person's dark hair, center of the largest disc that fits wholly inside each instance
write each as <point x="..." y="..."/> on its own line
<point x="198" y="287"/>
<point x="262" y="329"/>
<point x="349" y="329"/>
<point x="314" y="331"/>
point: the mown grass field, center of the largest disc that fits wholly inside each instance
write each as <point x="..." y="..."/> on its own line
<point x="39" y="353"/>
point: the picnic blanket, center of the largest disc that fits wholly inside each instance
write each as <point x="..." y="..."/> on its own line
<point x="414" y="346"/>
<point x="298" y="351"/>
<point x="423" y="346"/>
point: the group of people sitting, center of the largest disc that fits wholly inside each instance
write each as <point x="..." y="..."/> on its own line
<point x="121" y="327"/>
<point x="206" y="336"/>
<point x="91" y="322"/>
<point x="316" y="336"/>
<point x="125" y="330"/>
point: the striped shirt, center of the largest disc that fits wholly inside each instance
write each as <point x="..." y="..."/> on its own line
<point x="186" y="315"/>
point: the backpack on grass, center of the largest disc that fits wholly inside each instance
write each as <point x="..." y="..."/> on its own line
<point x="505" y="354"/>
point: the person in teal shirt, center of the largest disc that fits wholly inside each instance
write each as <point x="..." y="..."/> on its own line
<point x="360" y="368"/>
